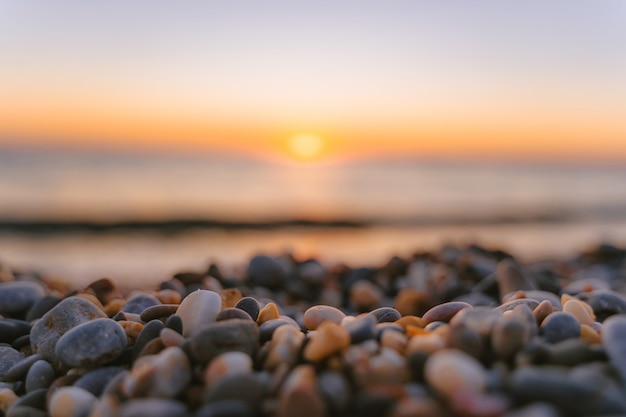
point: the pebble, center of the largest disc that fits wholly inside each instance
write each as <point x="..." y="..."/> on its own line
<point x="11" y="329"/>
<point x="71" y="402"/>
<point x="18" y="296"/>
<point x="433" y="341"/>
<point x="8" y="358"/>
<point x="221" y="337"/>
<point x="315" y="315"/>
<point x="559" y="326"/>
<point x="60" y="319"/>
<point x="329" y="338"/>
<point x="91" y="343"/>
<point x="444" y="312"/>
<point x="40" y="375"/>
<point x="449" y="371"/>
<point x="250" y="306"/>
<point x="164" y="375"/>
<point x="198" y="310"/>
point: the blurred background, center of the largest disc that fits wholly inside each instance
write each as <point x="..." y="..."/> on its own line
<point x="141" y="138"/>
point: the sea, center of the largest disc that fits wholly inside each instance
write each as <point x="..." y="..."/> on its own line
<point x="139" y="217"/>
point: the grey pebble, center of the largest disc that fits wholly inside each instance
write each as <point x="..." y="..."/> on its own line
<point x="614" y="340"/>
<point x="559" y="326"/>
<point x="138" y="303"/>
<point x="8" y="358"/>
<point x="150" y="331"/>
<point x="26" y="411"/>
<point x="42" y="306"/>
<point x="220" y="337"/>
<point x="18" y="296"/>
<point x="92" y="343"/>
<point x="158" y="311"/>
<point x="19" y="370"/>
<point x="386" y="314"/>
<point x="245" y="387"/>
<point x="40" y="375"/>
<point x="361" y="329"/>
<point x="232" y="313"/>
<point x="64" y="316"/>
<point x="97" y="380"/>
<point x="444" y="312"/>
<point x="11" y="329"/>
<point x="250" y="306"/>
<point x="605" y="303"/>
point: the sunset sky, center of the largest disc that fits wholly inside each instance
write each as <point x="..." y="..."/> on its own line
<point x="527" y="79"/>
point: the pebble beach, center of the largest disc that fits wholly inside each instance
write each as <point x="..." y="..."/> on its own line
<point x="461" y="331"/>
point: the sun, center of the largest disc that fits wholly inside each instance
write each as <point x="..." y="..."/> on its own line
<point x="306" y="147"/>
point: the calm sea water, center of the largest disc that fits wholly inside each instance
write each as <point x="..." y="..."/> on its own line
<point x="540" y="210"/>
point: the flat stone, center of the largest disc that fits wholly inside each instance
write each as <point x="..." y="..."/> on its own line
<point x="18" y="296"/>
<point x="224" y="336"/>
<point x="158" y="311"/>
<point x="20" y="369"/>
<point x="92" y="343"/>
<point x="69" y="313"/>
<point x="232" y="313"/>
<point x="71" y="402"/>
<point x="198" y="310"/>
<point x="386" y="314"/>
<point x="150" y="331"/>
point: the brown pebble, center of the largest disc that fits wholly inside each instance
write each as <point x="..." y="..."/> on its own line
<point x="92" y="298"/>
<point x="444" y="312"/>
<point x="299" y="396"/>
<point x="410" y="301"/>
<point x="269" y="312"/>
<point x="168" y="296"/>
<point x="114" y="306"/>
<point x="394" y="340"/>
<point x="315" y="315"/>
<point x="158" y="311"/>
<point x="543" y="310"/>
<point x="329" y="338"/>
<point x="171" y="337"/>
<point x="232" y="313"/>
<point x="131" y="328"/>
<point x="152" y="347"/>
<point x="589" y="335"/>
<point x="230" y="297"/>
<point x="581" y="310"/>
<point x="365" y="296"/>
<point x="412" y="321"/>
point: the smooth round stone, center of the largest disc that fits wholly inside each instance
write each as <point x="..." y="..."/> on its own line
<point x="510" y="278"/>
<point x="268" y="312"/>
<point x="449" y="371"/>
<point x="284" y="348"/>
<point x="605" y="303"/>
<point x="232" y="313"/>
<point x="163" y="375"/>
<point x="170" y="337"/>
<point x="361" y="329"/>
<point x="224" y="336"/>
<point x="18" y="296"/>
<point x="386" y="314"/>
<point x="508" y="336"/>
<point x="581" y="310"/>
<point x="20" y="369"/>
<point x="198" y="310"/>
<point x="264" y="271"/>
<point x="444" y="312"/>
<point x="40" y="375"/>
<point x="71" y="402"/>
<point x="96" y="381"/>
<point x="8" y="358"/>
<point x="139" y="302"/>
<point x="11" y="329"/>
<point x="92" y="343"/>
<point x="411" y="302"/>
<point x="267" y="329"/>
<point x="559" y="326"/>
<point x="150" y="331"/>
<point x="228" y="363"/>
<point x="69" y="313"/>
<point x="35" y="398"/>
<point x="153" y="407"/>
<point x="42" y="306"/>
<point x="329" y="338"/>
<point x="250" y="306"/>
<point x="614" y="341"/>
<point x="158" y="311"/>
<point x="315" y="315"/>
<point x="246" y="387"/>
<point x="175" y="323"/>
<point x="225" y="408"/>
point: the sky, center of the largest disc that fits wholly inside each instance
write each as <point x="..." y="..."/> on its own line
<point x="503" y="79"/>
